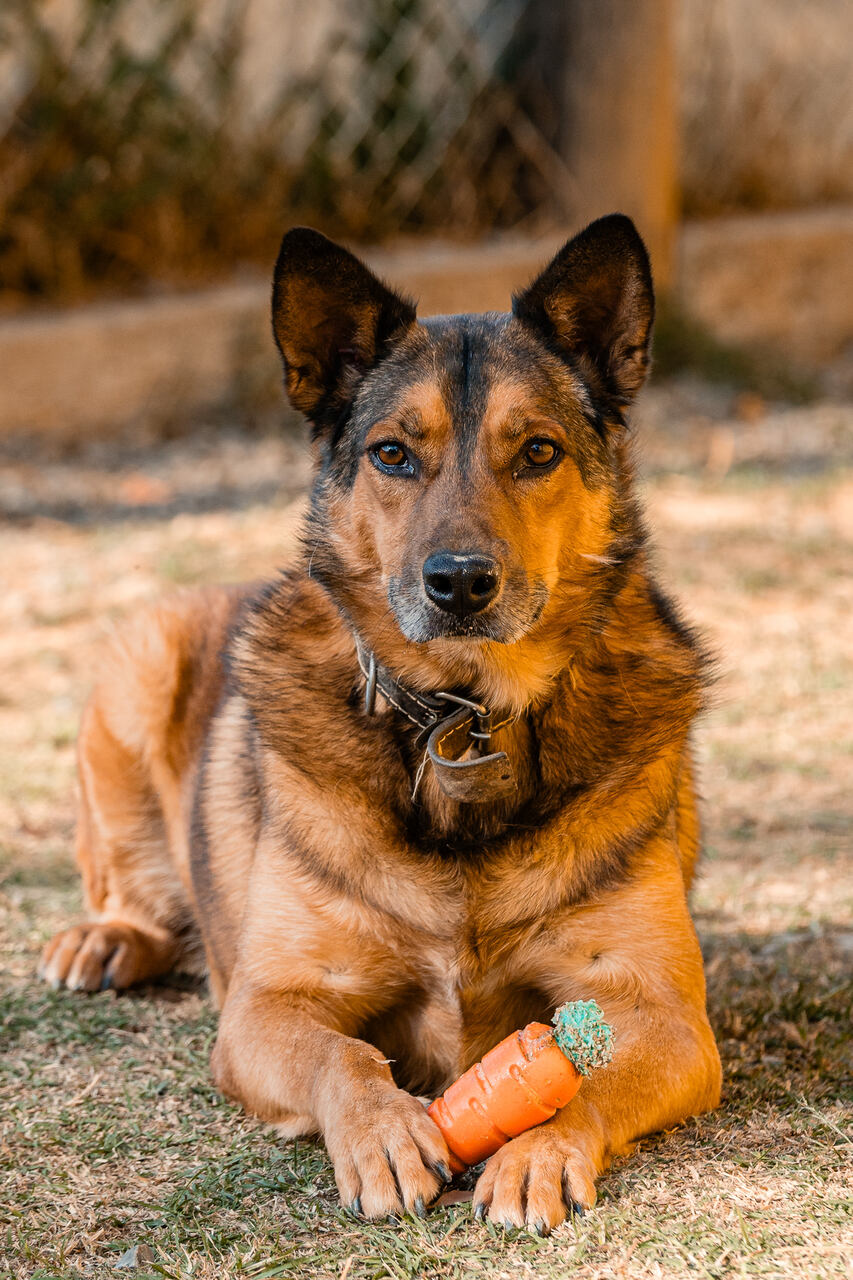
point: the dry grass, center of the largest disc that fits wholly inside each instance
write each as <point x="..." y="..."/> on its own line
<point x="110" y="1132"/>
<point x="766" y="112"/>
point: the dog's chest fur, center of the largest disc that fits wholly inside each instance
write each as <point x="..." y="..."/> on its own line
<point x="464" y="1001"/>
<point x="436" y="936"/>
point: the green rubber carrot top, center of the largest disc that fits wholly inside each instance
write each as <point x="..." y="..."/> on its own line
<point x="582" y="1034"/>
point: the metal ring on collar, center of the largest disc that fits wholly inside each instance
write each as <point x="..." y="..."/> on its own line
<point x="483" y="714"/>
<point x="464" y="702"/>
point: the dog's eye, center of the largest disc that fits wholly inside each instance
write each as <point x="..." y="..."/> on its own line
<point x="391" y="456"/>
<point x="541" y="453"/>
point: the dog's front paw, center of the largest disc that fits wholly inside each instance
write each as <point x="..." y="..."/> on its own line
<point x="537" y="1180"/>
<point x="389" y="1157"/>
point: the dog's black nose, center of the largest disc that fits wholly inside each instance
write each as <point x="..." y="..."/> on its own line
<point x="461" y="583"/>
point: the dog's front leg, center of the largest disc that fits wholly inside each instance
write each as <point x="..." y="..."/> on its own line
<point x="666" y="1070"/>
<point x="291" y="1062"/>
<point x="641" y="961"/>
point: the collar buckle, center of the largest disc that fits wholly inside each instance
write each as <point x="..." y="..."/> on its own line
<point x="483" y="732"/>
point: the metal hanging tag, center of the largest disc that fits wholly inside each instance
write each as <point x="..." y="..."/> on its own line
<point x="370" y="687"/>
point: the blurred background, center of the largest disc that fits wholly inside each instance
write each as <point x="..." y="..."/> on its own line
<point x="153" y="142"/>
<point x="150" y="148"/>
<point x="152" y="152"/>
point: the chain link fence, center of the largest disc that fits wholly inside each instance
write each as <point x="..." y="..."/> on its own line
<point x="423" y="113"/>
<point x="168" y="140"/>
<point x="163" y="137"/>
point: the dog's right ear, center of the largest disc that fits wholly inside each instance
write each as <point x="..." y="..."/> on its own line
<point x="332" y="320"/>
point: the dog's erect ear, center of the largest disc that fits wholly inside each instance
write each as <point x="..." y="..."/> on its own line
<point x="594" y="303"/>
<point x="332" y="319"/>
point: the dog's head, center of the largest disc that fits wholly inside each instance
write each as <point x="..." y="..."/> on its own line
<point x="467" y="495"/>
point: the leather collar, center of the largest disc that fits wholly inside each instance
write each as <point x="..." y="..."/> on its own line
<point x="459" y="731"/>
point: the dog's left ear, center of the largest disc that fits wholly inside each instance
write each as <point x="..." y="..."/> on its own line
<point x="594" y="303"/>
<point x="332" y="320"/>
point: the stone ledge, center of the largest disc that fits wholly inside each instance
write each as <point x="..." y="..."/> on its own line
<point x="783" y="280"/>
<point x="780" y="279"/>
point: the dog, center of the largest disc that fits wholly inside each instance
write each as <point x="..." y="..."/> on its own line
<point x="435" y="778"/>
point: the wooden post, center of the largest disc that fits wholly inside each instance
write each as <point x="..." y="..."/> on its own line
<point x="618" y="131"/>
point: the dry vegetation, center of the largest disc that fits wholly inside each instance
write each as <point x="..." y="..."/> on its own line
<point x="145" y="146"/>
<point x="766" y="111"/>
<point x="110" y="1132"/>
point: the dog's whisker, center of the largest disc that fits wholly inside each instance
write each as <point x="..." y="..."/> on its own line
<point x="596" y="559"/>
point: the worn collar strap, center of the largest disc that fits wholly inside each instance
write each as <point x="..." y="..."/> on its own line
<point x="459" y="733"/>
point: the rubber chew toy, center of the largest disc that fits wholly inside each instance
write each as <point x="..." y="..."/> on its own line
<point x="521" y="1082"/>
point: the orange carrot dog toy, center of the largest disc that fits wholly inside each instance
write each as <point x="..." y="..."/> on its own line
<point x="521" y="1082"/>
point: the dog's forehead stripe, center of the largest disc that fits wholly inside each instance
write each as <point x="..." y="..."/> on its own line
<point x="442" y="374"/>
<point x="467" y="358"/>
<point x="488" y="364"/>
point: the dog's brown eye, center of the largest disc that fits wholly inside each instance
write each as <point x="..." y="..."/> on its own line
<point x="540" y="453"/>
<point x="391" y="454"/>
<point x="392" y="458"/>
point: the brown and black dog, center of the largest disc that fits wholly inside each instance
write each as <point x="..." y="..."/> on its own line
<point x="473" y="533"/>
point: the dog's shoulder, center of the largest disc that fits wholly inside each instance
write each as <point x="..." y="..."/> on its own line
<point x="292" y="640"/>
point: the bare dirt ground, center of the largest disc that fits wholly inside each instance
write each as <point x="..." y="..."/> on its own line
<point x="111" y="1135"/>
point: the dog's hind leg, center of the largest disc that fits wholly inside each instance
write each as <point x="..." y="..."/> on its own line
<point x="140" y="740"/>
<point x="687" y="823"/>
<point x="133" y="894"/>
<point x="102" y="954"/>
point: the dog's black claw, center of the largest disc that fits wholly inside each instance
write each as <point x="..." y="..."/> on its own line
<point x="355" y="1207"/>
<point x="420" y="1207"/>
<point x="542" y="1228"/>
<point x="479" y="1211"/>
<point x="106" y="982"/>
<point x="578" y="1210"/>
<point x="443" y="1171"/>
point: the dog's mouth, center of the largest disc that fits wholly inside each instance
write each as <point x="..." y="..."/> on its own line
<point x="506" y="620"/>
